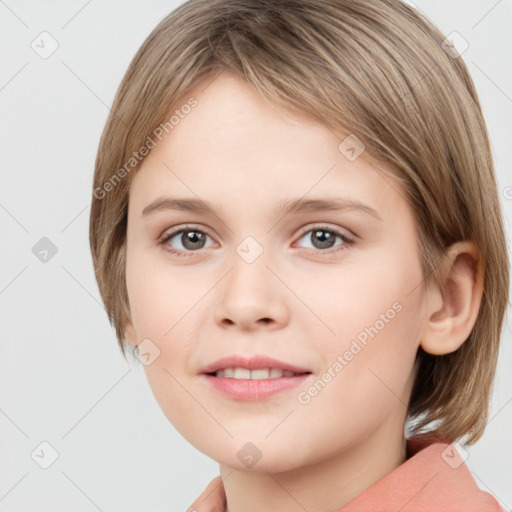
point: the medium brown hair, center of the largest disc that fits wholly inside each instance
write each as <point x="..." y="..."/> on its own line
<point x="376" y="69"/>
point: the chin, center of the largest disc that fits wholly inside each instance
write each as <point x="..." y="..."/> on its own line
<point x="247" y="456"/>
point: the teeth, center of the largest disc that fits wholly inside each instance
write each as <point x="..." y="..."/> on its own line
<point x="242" y="373"/>
<point x="263" y="373"/>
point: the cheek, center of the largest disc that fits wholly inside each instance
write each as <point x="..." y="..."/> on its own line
<point x="170" y="392"/>
<point x="164" y="309"/>
<point x="369" y="336"/>
<point x="371" y="360"/>
<point x="370" y="299"/>
<point x="366" y="375"/>
<point x="160" y="298"/>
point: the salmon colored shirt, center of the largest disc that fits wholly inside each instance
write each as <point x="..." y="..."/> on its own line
<point x="434" y="477"/>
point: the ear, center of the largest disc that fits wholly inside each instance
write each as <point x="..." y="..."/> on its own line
<point x="452" y="311"/>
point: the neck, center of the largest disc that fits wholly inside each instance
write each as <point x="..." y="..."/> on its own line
<point x="324" y="486"/>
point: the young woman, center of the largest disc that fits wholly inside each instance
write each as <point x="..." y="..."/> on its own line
<point x="295" y="223"/>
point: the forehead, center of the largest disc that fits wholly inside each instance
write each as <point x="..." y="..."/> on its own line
<point x="234" y="146"/>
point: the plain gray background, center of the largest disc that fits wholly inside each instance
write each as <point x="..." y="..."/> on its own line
<point x="63" y="379"/>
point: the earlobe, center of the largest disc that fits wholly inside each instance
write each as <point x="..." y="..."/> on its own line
<point x="451" y="312"/>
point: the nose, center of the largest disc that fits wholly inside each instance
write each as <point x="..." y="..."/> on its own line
<point x="251" y="296"/>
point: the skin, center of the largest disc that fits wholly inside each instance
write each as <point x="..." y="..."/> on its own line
<point x="295" y="302"/>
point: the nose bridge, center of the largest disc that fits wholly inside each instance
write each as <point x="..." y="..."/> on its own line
<point x="250" y="292"/>
<point x="249" y="274"/>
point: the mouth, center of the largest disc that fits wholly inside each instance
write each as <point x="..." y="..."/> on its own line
<point x="258" y="374"/>
<point x="253" y="378"/>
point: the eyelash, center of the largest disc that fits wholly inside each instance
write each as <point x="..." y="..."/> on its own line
<point x="348" y="241"/>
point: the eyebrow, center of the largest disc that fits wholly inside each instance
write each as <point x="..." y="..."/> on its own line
<point x="300" y="205"/>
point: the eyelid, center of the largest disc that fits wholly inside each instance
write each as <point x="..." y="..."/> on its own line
<point x="327" y="227"/>
<point x="185" y="227"/>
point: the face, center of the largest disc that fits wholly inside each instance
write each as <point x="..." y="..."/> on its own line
<point x="331" y="291"/>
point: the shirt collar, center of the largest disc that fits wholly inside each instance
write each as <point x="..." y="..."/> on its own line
<point x="433" y="477"/>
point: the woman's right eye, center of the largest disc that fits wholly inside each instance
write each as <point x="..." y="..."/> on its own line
<point x="191" y="240"/>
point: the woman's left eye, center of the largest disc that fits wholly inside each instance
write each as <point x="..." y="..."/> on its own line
<point x="325" y="238"/>
<point x="192" y="239"/>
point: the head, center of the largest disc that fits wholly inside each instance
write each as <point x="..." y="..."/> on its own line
<point x="248" y="106"/>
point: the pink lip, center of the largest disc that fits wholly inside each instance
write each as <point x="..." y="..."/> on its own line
<point x="248" y="389"/>
<point x="252" y="389"/>
<point x="252" y="363"/>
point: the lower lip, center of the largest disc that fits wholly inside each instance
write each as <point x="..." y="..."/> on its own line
<point x="257" y="389"/>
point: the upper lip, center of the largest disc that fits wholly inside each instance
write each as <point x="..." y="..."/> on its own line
<point x="255" y="362"/>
